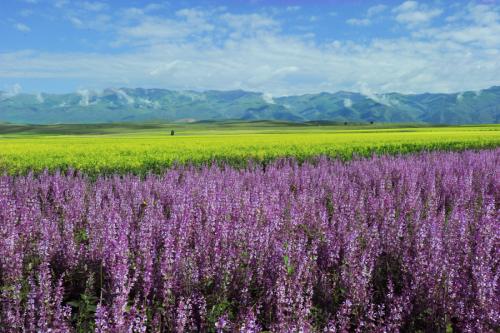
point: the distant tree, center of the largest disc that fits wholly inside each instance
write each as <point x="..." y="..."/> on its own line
<point x="345" y="123"/>
<point x="172" y="132"/>
<point x="371" y="122"/>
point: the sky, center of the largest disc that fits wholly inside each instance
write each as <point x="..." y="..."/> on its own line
<point x="276" y="47"/>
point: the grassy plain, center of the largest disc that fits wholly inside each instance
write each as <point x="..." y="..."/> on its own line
<point x="140" y="148"/>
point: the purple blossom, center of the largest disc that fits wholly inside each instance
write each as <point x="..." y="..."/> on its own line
<point x="379" y="245"/>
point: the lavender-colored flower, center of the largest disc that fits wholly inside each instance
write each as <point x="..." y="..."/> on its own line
<point x="378" y="245"/>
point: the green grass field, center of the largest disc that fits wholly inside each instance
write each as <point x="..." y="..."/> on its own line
<point x="140" y="148"/>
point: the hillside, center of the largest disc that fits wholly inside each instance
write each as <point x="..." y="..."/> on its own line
<point x="138" y="105"/>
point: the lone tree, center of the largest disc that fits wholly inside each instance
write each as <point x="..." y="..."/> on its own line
<point x="172" y="132"/>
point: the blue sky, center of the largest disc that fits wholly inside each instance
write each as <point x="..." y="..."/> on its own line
<point x="276" y="47"/>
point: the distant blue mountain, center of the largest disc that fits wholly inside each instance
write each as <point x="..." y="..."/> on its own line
<point x="128" y="105"/>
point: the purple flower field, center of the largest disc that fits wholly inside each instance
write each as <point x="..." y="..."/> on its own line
<point x="408" y="244"/>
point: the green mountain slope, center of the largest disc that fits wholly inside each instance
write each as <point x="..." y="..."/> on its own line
<point x="129" y="105"/>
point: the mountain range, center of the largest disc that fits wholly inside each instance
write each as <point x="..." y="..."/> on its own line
<point x="130" y="105"/>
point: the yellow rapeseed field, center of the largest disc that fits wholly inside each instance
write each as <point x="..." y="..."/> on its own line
<point x="141" y="152"/>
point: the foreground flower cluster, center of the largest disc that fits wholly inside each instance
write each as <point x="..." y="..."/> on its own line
<point x="381" y="245"/>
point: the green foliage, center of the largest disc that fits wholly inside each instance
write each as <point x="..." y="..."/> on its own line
<point x="288" y="265"/>
<point x="81" y="235"/>
<point x="84" y="308"/>
<point x="84" y="312"/>
<point x="218" y="310"/>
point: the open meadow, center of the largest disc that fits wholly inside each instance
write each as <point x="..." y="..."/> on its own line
<point x="149" y="235"/>
<point x="143" y="148"/>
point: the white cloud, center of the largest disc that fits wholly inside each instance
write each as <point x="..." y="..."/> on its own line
<point x="22" y="27"/>
<point x="132" y="12"/>
<point x="268" y="98"/>
<point x="293" y="8"/>
<point x="371" y="14"/>
<point x="375" y="10"/>
<point x="153" y="7"/>
<point x="272" y="63"/>
<point x="98" y="22"/>
<point x="85" y="95"/>
<point x="12" y="91"/>
<point x="248" y="24"/>
<point x="94" y="6"/>
<point x="145" y="29"/>
<point x="472" y="34"/>
<point x="407" y="6"/>
<point x="359" y="22"/>
<point x="347" y="102"/>
<point x="418" y="17"/>
<point x="26" y="12"/>
<point x="413" y="13"/>
<point x="60" y="3"/>
<point x="216" y="49"/>
<point x="39" y="97"/>
<point x="483" y="14"/>
<point x="157" y="28"/>
<point x="365" y="90"/>
<point x="76" y="21"/>
<point x="379" y="98"/>
<point x="16" y="89"/>
<point x="123" y="95"/>
<point x="165" y="68"/>
<point x="89" y="15"/>
<point x="478" y="25"/>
